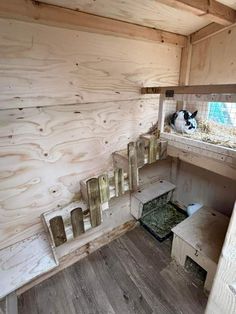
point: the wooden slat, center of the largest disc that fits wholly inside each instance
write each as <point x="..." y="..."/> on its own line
<point x="94" y="202"/>
<point x="11" y="304"/>
<point x="103" y="182"/>
<point x="58" y="230"/>
<point x="57" y="16"/>
<point x="152" y="152"/>
<point x="133" y="166"/>
<point x="77" y="221"/>
<point x="212" y="10"/>
<point x="119" y="182"/>
<point x="140" y="148"/>
<point x="194" y="89"/>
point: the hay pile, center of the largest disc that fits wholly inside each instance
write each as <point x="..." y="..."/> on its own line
<point x="210" y="132"/>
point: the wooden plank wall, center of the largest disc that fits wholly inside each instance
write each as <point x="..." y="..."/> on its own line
<point x="196" y="185"/>
<point x="68" y="99"/>
<point x="213" y="59"/>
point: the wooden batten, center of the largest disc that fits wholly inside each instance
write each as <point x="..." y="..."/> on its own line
<point x="185" y="63"/>
<point x="38" y="12"/>
<point x="103" y="182"/>
<point x="94" y="202"/>
<point x="152" y="149"/>
<point x="141" y="152"/>
<point x="133" y="166"/>
<point x="77" y="222"/>
<point x="58" y="230"/>
<point x="170" y="91"/>
<point x="119" y="182"/>
<point x="212" y="10"/>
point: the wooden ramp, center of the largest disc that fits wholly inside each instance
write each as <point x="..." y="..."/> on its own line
<point x="24" y="261"/>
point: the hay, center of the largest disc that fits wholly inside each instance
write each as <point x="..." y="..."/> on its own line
<point x="210" y="132"/>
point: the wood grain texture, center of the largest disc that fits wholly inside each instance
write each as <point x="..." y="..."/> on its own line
<point x="151" y="13"/>
<point x="82" y="252"/>
<point x="205" y="66"/>
<point x="201" y="186"/>
<point x="222" y="298"/>
<point x="133" y="274"/>
<point x="45" y="152"/>
<point x="68" y="67"/>
<point x="45" y="14"/>
<point x="23" y="261"/>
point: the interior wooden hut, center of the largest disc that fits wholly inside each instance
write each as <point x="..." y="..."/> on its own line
<point x="117" y="156"/>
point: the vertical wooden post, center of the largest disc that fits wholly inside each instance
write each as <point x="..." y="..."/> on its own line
<point x="175" y="163"/>
<point x="119" y="182"/>
<point x="94" y="202"/>
<point x="58" y="230"/>
<point x="163" y="149"/>
<point x="140" y="148"/>
<point x="152" y="153"/>
<point x="161" y="113"/>
<point x="77" y="221"/>
<point x="104" y="188"/>
<point x="133" y="167"/>
<point x="185" y="63"/>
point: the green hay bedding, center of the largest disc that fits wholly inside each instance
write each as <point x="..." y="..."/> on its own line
<point x="162" y="219"/>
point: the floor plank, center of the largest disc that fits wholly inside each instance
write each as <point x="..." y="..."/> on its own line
<point x="133" y="274"/>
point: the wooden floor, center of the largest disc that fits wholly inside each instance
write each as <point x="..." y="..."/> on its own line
<point x="133" y="274"/>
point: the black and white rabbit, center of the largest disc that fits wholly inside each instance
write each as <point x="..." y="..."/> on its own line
<point x="184" y="121"/>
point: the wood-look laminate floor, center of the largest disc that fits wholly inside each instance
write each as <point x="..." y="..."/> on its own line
<point x="133" y="274"/>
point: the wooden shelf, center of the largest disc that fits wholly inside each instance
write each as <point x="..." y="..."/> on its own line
<point x="201" y="237"/>
<point x="224" y="93"/>
<point x="214" y="158"/>
<point x="24" y="261"/>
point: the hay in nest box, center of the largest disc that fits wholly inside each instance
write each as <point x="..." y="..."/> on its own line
<point x="210" y="132"/>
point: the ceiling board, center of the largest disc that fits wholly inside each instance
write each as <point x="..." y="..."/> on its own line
<point x="149" y="13"/>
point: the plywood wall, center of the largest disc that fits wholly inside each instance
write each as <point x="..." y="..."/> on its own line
<point x="213" y="59"/>
<point x="68" y="99"/>
<point x="46" y="66"/>
<point x="196" y="185"/>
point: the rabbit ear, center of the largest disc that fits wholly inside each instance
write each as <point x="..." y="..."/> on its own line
<point x="186" y="115"/>
<point x="193" y="115"/>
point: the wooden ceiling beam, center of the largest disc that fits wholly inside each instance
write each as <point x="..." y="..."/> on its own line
<point x="37" y="12"/>
<point x="207" y="31"/>
<point x="211" y="9"/>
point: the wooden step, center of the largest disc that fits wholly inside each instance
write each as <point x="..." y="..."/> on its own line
<point x="24" y="261"/>
<point x="113" y="187"/>
<point x="120" y="157"/>
<point x="148" y="193"/>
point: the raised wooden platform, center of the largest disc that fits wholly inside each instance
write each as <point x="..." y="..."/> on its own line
<point x="25" y="261"/>
<point x="201" y="237"/>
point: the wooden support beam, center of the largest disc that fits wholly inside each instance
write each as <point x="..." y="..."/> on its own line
<point x="213" y="10"/>
<point x="170" y="91"/>
<point x="207" y="31"/>
<point x="185" y="63"/>
<point x="37" y="12"/>
<point x="104" y="188"/>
